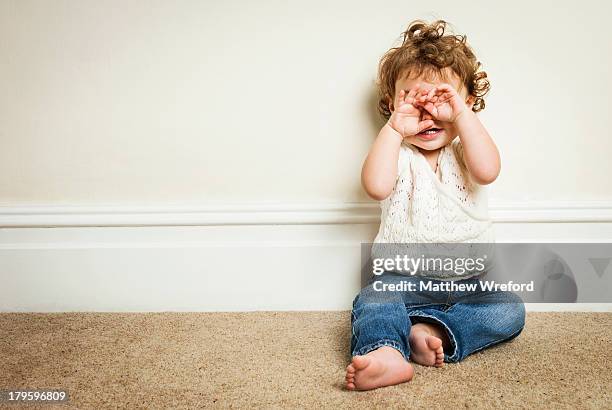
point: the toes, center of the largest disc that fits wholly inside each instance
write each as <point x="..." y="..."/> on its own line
<point x="350" y="386"/>
<point x="350" y="369"/>
<point x="439" y="359"/>
<point x="360" y="362"/>
<point x="427" y="351"/>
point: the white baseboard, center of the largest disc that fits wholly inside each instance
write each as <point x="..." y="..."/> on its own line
<point x="279" y="214"/>
<point x="226" y="258"/>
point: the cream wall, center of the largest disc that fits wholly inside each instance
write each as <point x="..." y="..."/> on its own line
<point x="113" y="102"/>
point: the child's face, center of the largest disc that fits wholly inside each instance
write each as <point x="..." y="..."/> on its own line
<point x="447" y="130"/>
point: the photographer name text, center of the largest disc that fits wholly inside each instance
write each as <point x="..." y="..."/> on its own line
<point x="451" y="286"/>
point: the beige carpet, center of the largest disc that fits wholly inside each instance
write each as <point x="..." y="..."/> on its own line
<point x="288" y="360"/>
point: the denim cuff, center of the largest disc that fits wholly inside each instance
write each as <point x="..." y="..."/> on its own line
<point x="451" y="337"/>
<point x="385" y="342"/>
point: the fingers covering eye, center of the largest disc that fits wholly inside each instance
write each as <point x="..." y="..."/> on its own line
<point x="412" y="92"/>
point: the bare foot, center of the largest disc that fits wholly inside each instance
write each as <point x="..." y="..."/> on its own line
<point x="384" y="366"/>
<point x="425" y="347"/>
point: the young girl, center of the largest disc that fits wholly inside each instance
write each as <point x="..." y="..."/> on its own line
<point x="427" y="167"/>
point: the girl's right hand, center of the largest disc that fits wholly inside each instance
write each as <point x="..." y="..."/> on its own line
<point x="406" y="118"/>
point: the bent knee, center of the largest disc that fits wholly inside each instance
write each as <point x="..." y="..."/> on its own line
<point x="512" y="320"/>
<point x="507" y="316"/>
<point x="371" y="295"/>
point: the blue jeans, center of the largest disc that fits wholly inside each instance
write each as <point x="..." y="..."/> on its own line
<point x="473" y="320"/>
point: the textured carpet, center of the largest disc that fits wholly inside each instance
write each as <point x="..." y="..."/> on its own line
<point x="288" y="360"/>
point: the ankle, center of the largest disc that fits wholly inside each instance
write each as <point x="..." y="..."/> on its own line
<point x="423" y="327"/>
<point x="387" y="351"/>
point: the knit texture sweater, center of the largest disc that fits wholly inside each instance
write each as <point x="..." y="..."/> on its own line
<point x="443" y="207"/>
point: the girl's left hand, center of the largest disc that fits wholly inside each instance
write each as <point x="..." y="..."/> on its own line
<point x="442" y="102"/>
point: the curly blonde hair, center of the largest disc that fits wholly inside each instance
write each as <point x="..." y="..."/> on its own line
<point x="426" y="50"/>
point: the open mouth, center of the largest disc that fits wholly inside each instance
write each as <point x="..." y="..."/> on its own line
<point x="430" y="133"/>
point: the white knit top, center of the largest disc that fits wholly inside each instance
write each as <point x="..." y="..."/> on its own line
<point x="442" y="207"/>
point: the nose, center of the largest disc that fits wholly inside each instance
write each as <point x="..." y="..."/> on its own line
<point x="425" y="115"/>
